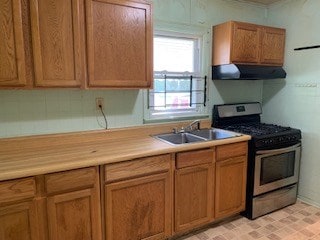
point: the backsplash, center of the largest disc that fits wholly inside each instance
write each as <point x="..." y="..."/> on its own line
<point x="33" y="112"/>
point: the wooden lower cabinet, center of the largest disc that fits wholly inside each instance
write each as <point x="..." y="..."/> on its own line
<point x="134" y="200"/>
<point x="193" y="197"/>
<point x="74" y="216"/>
<point x="57" y="206"/>
<point x="19" y="215"/>
<point x="138" y="199"/>
<point x="194" y="185"/>
<point x="139" y="208"/>
<point x="19" y="221"/>
<point x="73" y="205"/>
<point x="230" y="191"/>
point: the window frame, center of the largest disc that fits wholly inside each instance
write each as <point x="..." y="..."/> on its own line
<point x="197" y="110"/>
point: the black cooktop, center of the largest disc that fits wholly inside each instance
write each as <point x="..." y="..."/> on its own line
<point x="257" y="129"/>
<point x="267" y="135"/>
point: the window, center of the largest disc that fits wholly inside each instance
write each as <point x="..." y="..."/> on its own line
<point x="179" y="89"/>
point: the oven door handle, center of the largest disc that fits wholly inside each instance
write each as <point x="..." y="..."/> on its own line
<point x="280" y="150"/>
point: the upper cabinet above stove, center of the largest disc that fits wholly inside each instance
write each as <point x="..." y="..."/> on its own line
<point x="246" y="43"/>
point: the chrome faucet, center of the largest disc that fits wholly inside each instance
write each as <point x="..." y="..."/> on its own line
<point x="195" y="125"/>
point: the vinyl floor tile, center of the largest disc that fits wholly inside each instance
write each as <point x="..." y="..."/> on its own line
<point x="300" y="221"/>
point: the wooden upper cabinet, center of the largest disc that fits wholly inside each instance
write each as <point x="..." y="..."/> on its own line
<point x="114" y="37"/>
<point x="272" y="46"/>
<point x="119" y="43"/>
<point x="246" y="43"/>
<point x="12" y="55"/>
<point x="58" y="42"/>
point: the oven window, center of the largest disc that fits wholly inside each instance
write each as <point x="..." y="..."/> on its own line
<point x="277" y="167"/>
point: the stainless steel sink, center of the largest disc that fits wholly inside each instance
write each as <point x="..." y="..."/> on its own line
<point x="196" y="136"/>
<point x="179" y="138"/>
<point x="215" y="134"/>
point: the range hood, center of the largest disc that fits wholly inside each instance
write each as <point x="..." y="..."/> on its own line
<point x="247" y="72"/>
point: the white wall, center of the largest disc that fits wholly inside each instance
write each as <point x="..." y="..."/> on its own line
<point x="295" y="101"/>
<point x="29" y="112"/>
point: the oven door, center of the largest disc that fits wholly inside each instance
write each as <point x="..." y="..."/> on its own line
<point x="276" y="168"/>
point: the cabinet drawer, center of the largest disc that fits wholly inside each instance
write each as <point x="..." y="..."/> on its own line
<point x="138" y="167"/>
<point x="17" y="190"/>
<point x="70" y="180"/>
<point x="231" y="150"/>
<point x="193" y="158"/>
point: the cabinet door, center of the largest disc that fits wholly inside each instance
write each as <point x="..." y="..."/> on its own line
<point x="245" y="43"/>
<point x="230" y="191"/>
<point x="12" y="60"/>
<point x="58" y="42"/>
<point x="193" y="196"/>
<point x="272" y="47"/>
<point x="119" y="43"/>
<point x="139" y="208"/>
<point x="19" y="221"/>
<point x="74" y="215"/>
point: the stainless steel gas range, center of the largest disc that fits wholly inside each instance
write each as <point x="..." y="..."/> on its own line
<point x="274" y="157"/>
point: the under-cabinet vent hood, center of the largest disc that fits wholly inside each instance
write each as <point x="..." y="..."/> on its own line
<point x="247" y="72"/>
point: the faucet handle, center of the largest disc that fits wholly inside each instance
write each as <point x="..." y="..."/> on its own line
<point x="175" y="130"/>
<point x="198" y="124"/>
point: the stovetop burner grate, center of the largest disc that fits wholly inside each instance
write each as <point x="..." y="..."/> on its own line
<point x="257" y="129"/>
<point x="245" y="118"/>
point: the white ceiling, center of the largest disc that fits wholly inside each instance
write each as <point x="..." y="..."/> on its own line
<point x="264" y="2"/>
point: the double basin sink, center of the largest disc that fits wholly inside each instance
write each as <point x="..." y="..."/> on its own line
<point x="200" y="135"/>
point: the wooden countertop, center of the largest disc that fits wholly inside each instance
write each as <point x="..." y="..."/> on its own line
<point x="30" y="156"/>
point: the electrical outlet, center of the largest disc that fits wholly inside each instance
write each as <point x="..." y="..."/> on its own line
<point x="99" y="102"/>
